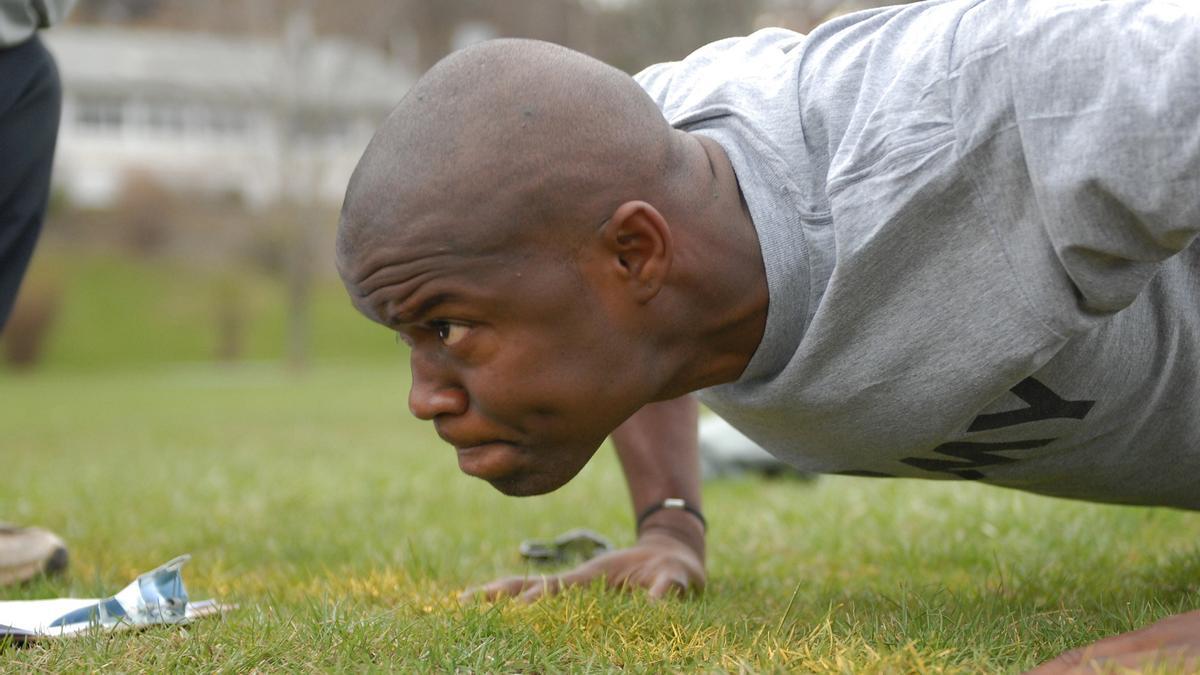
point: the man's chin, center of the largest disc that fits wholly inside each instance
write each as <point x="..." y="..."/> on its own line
<point x="526" y="485"/>
<point x="517" y="471"/>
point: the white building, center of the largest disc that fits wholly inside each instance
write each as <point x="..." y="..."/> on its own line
<point x="256" y="118"/>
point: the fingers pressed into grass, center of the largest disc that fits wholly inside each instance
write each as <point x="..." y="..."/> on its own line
<point x="668" y="584"/>
<point x="502" y="588"/>
<point x="540" y="587"/>
<point x="529" y="589"/>
<point x="523" y="588"/>
<point x="553" y="585"/>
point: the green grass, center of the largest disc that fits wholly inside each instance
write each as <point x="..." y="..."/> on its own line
<point x="119" y="312"/>
<point x="344" y="531"/>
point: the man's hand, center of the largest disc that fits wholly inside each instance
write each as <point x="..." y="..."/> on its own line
<point x="661" y="562"/>
<point x="659" y="456"/>
<point x="1172" y="644"/>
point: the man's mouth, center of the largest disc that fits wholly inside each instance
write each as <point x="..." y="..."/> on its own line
<point x="492" y="460"/>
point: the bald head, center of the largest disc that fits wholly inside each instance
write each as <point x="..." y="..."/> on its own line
<point x="553" y="253"/>
<point x="501" y="142"/>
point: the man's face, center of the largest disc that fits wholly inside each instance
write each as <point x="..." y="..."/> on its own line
<point x="514" y="358"/>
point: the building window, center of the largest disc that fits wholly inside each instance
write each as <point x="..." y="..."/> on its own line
<point x="165" y="117"/>
<point x="100" y="114"/>
<point x="312" y="127"/>
<point x="227" y="121"/>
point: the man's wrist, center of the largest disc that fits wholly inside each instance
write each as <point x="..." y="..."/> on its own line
<point x="674" y="503"/>
<point x="676" y="524"/>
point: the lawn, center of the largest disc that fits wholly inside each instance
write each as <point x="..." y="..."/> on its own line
<point x="122" y="312"/>
<point x="342" y="529"/>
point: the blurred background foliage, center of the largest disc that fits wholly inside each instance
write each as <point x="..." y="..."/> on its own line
<point x="629" y="34"/>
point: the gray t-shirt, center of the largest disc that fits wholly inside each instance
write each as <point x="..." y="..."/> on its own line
<point x="19" y="19"/>
<point x="978" y="220"/>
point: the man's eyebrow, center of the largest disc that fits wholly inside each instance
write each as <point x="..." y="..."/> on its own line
<point x="414" y="315"/>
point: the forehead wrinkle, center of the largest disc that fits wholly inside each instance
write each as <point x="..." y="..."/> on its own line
<point x="396" y="291"/>
<point x="399" y="313"/>
<point x="382" y="261"/>
<point x="398" y="286"/>
<point x="393" y="286"/>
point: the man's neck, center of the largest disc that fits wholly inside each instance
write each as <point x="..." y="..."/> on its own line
<point x="727" y="308"/>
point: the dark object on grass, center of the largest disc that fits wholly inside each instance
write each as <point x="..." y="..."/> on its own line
<point x="27" y="332"/>
<point x="573" y="546"/>
<point x="29" y="552"/>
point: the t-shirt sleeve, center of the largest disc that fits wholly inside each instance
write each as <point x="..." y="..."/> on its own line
<point x="1109" y="128"/>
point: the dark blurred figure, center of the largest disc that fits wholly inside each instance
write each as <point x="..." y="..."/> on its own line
<point x="30" y="101"/>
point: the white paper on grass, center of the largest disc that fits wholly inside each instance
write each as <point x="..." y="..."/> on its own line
<point x="156" y="597"/>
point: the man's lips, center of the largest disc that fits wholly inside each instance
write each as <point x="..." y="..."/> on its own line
<point x="492" y="460"/>
<point x="464" y="436"/>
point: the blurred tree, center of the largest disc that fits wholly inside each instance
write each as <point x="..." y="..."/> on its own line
<point x="117" y="11"/>
<point x="231" y="318"/>
<point x="301" y="172"/>
<point x="27" y="332"/>
<point x="652" y="31"/>
<point x="144" y="210"/>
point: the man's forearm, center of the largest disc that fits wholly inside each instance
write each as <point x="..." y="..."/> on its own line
<point x="659" y="454"/>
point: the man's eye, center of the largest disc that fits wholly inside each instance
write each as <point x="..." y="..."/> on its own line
<point x="450" y="333"/>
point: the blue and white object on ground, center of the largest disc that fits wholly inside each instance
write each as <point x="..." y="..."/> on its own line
<point x="156" y="597"/>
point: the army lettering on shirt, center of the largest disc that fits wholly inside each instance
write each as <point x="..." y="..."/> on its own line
<point x="969" y="456"/>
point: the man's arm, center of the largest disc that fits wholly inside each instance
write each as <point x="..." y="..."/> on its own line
<point x="1170" y="646"/>
<point x="659" y="454"/>
<point x="658" y="449"/>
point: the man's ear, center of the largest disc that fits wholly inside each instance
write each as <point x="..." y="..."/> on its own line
<point x="638" y="248"/>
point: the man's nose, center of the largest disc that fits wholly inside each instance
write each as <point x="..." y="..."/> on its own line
<point x="432" y="395"/>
